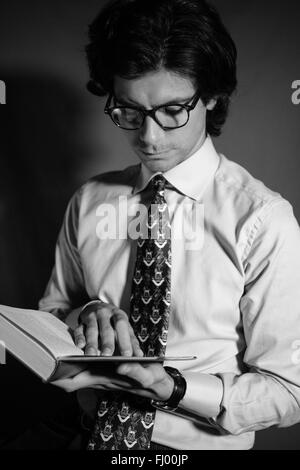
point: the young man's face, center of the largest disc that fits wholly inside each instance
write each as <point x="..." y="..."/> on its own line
<point x="160" y="150"/>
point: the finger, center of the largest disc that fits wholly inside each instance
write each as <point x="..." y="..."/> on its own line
<point x="143" y="376"/>
<point x="121" y="324"/>
<point x="136" y="348"/>
<point x="73" y="383"/>
<point x="106" y="332"/>
<point x="146" y="374"/>
<point x="88" y="379"/>
<point x="79" y="337"/>
<point x="91" y="336"/>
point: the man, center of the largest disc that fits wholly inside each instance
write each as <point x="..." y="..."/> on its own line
<point x="231" y="293"/>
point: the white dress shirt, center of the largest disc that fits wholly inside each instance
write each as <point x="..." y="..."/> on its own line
<point x="235" y="294"/>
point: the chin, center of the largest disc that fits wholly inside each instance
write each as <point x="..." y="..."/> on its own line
<point x="158" y="165"/>
<point x="161" y="164"/>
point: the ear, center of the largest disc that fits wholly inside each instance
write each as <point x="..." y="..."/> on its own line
<point x="211" y="104"/>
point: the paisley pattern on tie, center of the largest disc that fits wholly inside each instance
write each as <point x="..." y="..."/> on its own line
<point x="125" y="421"/>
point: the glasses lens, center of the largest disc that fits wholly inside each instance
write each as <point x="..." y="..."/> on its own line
<point x="127" y="118"/>
<point x="172" y="116"/>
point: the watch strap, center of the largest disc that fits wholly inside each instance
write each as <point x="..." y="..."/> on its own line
<point x="178" y="393"/>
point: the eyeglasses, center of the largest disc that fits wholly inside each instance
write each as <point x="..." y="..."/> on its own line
<point x="167" y="116"/>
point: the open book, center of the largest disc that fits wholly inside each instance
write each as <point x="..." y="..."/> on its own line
<point x="45" y="344"/>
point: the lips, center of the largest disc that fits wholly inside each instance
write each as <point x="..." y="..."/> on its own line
<point x="150" y="154"/>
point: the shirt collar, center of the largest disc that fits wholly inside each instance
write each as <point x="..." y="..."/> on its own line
<point x="191" y="176"/>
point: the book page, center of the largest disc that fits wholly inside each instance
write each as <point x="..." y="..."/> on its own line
<point x="44" y="328"/>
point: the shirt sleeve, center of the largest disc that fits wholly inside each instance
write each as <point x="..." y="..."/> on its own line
<point x="268" y="393"/>
<point x="66" y="288"/>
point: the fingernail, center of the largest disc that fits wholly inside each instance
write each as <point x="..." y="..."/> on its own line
<point x="90" y="352"/>
<point x="106" y="352"/>
<point x="127" y="353"/>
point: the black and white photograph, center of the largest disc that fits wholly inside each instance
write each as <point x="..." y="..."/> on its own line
<point x="149" y="227"/>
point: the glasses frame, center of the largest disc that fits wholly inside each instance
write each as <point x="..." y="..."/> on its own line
<point x="151" y="112"/>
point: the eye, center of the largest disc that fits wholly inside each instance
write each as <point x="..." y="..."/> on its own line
<point x="172" y="110"/>
<point x="130" y="114"/>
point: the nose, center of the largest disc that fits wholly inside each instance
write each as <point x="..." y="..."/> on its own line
<point x="150" y="133"/>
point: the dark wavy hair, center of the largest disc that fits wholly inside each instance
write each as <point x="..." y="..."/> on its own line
<point x="132" y="37"/>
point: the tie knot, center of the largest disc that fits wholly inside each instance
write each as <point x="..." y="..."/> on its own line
<point x="158" y="183"/>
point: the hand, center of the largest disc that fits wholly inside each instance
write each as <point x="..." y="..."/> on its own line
<point x="151" y="378"/>
<point x="105" y="328"/>
<point x="148" y="380"/>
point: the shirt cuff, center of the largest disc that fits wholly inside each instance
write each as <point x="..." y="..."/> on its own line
<point x="203" y="395"/>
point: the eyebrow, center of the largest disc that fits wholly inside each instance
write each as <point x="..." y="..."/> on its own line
<point x="134" y="103"/>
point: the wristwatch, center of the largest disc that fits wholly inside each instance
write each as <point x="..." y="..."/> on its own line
<point x="178" y="391"/>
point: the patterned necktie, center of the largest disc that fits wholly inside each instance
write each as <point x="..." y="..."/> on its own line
<point x="125" y="421"/>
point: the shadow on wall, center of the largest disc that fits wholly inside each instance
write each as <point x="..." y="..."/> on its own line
<point x="40" y="149"/>
<point x="39" y="157"/>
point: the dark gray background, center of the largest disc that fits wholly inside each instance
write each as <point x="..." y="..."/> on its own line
<point x="53" y="134"/>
